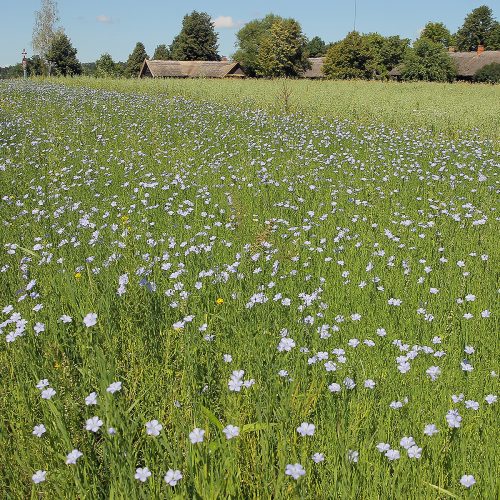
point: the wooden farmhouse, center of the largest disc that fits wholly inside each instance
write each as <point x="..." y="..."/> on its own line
<point x="467" y="63"/>
<point x="190" y="69"/>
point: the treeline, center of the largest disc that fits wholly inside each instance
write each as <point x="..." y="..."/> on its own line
<point x="276" y="47"/>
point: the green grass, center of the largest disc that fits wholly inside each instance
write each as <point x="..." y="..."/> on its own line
<point x="97" y="184"/>
<point x="451" y="109"/>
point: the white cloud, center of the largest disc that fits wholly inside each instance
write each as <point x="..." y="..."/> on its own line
<point x="226" y="22"/>
<point x="103" y="19"/>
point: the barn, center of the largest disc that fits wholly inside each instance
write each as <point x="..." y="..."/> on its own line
<point x="315" y="71"/>
<point x="190" y="69"/>
<point x="467" y="63"/>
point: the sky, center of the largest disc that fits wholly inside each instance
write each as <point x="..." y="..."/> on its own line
<point x="115" y="26"/>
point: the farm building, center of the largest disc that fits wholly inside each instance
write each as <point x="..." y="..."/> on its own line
<point x="190" y="69"/>
<point x="468" y="63"/>
<point x="316" y="68"/>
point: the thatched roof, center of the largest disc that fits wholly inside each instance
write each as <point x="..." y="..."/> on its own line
<point x="316" y="66"/>
<point x="468" y="63"/>
<point x="190" y="69"/>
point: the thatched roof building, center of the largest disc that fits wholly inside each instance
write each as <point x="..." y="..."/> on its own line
<point x="316" y="68"/>
<point x="468" y="63"/>
<point x="190" y="69"/>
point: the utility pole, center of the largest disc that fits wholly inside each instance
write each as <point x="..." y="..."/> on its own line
<point x="355" y="13"/>
<point x="25" y="64"/>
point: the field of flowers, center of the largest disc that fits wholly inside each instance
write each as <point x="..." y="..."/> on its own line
<point x="200" y="300"/>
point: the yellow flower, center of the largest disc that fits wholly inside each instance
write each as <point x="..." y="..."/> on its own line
<point x="78" y="275"/>
<point x="219" y="301"/>
<point x="124" y="219"/>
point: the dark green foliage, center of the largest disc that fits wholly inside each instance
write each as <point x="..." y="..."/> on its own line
<point x="316" y="47"/>
<point x="162" y="53"/>
<point x="135" y="60"/>
<point x="364" y="56"/>
<point x="493" y="37"/>
<point x="282" y="51"/>
<point x="88" y="69"/>
<point x="428" y="61"/>
<point x="197" y="40"/>
<point x="62" y="56"/>
<point x="437" y="33"/>
<point x="476" y="30"/>
<point x="249" y="39"/>
<point x="105" y="67"/>
<point x="488" y="74"/>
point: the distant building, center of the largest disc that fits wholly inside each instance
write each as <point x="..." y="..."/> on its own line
<point x="316" y="70"/>
<point x="190" y="69"/>
<point x="468" y="63"/>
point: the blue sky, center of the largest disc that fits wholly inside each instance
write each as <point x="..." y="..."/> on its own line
<point x="114" y="26"/>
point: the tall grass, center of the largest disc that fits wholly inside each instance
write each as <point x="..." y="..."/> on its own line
<point x="212" y="238"/>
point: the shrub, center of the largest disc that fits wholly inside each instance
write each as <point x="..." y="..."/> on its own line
<point x="488" y="74"/>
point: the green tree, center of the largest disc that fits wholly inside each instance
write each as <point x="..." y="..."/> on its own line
<point x="105" y="67"/>
<point x="437" y="33"/>
<point x="283" y="51"/>
<point x="352" y="57"/>
<point x="249" y="39"/>
<point x="316" y="47"/>
<point x="493" y="37"/>
<point x="476" y="29"/>
<point x="197" y="40"/>
<point x="135" y="60"/>
<point x="428" y="61"/>
<point x="161" y="53"/>
<point x="45" y="30"/>
<point x="488" y="74"/>
<point x="62" y="56"/>
<point x="36" y="66"/>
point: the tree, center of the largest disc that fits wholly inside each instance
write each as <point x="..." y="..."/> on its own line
<point x="493" y="37"/>
<point x="105" y="67"/>
<point x="135" y="60"/>
<point x="162" y="53"/>
<point x="44" y="30"/>
<point x="476" y="29"/>
<point x="197" y="40"/>
<point x="62" y="56"/>
<point x="316" y="47"/>
<point x="428" y="61"/>
<point x="437" y="33"/>
<point x="249" y="39"/>
<point x="352" y="57"/>
<point x="488" y="74"/>
<point x="36" y="66"/>
<point x="283" y="51"/>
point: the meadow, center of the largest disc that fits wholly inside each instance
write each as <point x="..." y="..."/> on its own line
<point x="205" y="297"/>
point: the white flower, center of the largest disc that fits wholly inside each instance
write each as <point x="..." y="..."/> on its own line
<point x="453" y="418"/>
<point x="48" y="393"/>
<point x="93" y="424"/>
<point x="73" y="456"/>
<point x="172" y="477"/>
<point x="471" y="405"/>
<point x="407" y="442"/>
<point x="39" y="430"/>
<point x="227" y="358"/>
<point x="286" y="344"/>
<point x="90" y="319"/>
<point x="430" y="430"/>
<point x="197" y="435"/>
<point x="334" y="387"/>
<point x="91" y="399"/>
<point x="392" y="454"/>
<point x="111" y="431"/>
<point x="383" y="447"/>
<point x="231" y="431"/>
<point x="318" y="457"/>
<point x="306" y="429"/>
<point x="369" y="384"/>
<point x="39" y="476"/>
<point x="467" y="480"/>
<point x="353" y="456"/>
<point x="153" y="428"/>
<point x="490" y="399"/>
<point x="485" y="313"/>
<point x="295" y="470"/>
<point x="114" y="387"/>
<point x="142" y="474"/>
<point x="433" y="372"/>
<point x="42" y="384"/>
<point x="349" y="383"/>
<point x="65" y="318"/>
<point x="414" y="452"/>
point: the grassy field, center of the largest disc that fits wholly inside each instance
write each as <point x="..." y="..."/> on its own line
<point x="200" y="299"/>
<point x="451" y="109"/>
